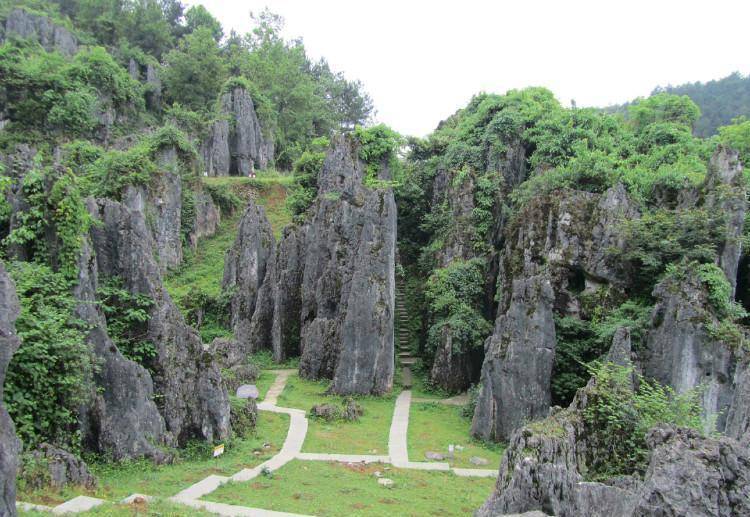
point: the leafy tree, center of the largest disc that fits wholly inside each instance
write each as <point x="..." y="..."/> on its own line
<point x="195" y="71"/>
<point x="664" y="107"/>
<point x="197" y="17"/>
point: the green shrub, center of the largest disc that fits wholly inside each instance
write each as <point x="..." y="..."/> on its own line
<point x="49" y="377"/>
<point x="224" y="197"/>
<point x="74" y="112"/>
<point x="617" y="419"/>
<point x="378" y="147"/>
<point x="454" y="294"/>
<point x="54" y="202"/>
<point x="127" y="317"/>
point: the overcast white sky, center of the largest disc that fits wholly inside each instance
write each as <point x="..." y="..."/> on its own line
<point x="420" y="60"/>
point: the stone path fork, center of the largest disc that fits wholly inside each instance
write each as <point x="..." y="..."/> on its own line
<point x="398" y="456"/>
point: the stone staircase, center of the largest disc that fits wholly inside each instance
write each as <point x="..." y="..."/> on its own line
<point x="403" y="353"/>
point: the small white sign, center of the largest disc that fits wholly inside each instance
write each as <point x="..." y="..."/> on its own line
<point x="218" y="450"/>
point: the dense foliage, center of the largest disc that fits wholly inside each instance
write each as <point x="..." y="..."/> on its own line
<point x="49" y="376"/>
<point x="127" y="317"/>
<point x="618" y="416"/>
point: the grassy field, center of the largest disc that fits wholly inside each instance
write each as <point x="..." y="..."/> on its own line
<point x="334" y="489"/>
<point x="117" y="481"/>
<point x="432" y="427"/>
<point x="157" y="508"/>
<point x="369" y="435"/>
<point x="204" y="267"/>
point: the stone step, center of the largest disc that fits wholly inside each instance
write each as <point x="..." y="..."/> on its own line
<point x="408" y="361"/>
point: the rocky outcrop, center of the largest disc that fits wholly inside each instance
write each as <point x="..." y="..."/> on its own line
<point x="10" y="446"/>
<point x="186" y="378"/>
<point x="725" y="193"/>
<point x="147" y="73"/>
<point x="61" y="469"/>
<point x="207" y="218"/>
<point x="348" y="282"/>
<point x="544" y="466"/>
<point x="121" y="426"/>
<point x="51" y="36"/>
<point x="518" y="362"/>
<point x="692" y="475"/>
<point x="276" y="319"/>
<point x="555" y="251"/>
<point x="738" y="414"/>
<point x="245" y="267"/>
<point x="680" y="351"/>
<point x="161" y="202"/>
<point x="236" y="145"/>
<point x="327" y="291"/>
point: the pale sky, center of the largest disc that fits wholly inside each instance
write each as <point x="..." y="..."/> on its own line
<point x="421" y="60"/>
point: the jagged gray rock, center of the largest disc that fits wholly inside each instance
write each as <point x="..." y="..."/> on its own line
<point x="543" y="469"/>
<point x="123" y="427"/>
<point x="236" y="145"/>
<point x="62" y="469"/>
<point x="41" y="29"/>
<point x="186" y="377"/>
<point x="738" y="415"/>
<point x="692" y="475"/>
<point x="518" y="362"/>
<point x="245" y="267"/>
<point x="680" y="351"/>
<point x="276" y="320"/>
<point x="10" y="446"/>
<point x="725" y="188"/>
<point x="207" y="218"/>
<point x="555" y="251"/>
<point x="348" y="285"/>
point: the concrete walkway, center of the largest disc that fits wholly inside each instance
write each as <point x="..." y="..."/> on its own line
<point x="398" y="456"/>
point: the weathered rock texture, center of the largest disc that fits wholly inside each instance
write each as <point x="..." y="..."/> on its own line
<point x="236" y="145"/>
<point x="454" y="369"/>
<point x="554" y="251"/>
<point x="543" y="469"/>
<point x="161" y="202"/>
<point x="62" y="469"/>
<point x="327" y="290"/>
<point x="348" y="282"/>
<point x="186" y="378"/>
<point x="9" y="443"/>
<point x="245" y="267"/>
<point x="122" y="419"/>
<point x="680" y="351"/>
<point x="22" y="24"/>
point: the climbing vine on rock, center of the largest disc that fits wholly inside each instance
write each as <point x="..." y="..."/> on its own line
<point x="127" y="317"/>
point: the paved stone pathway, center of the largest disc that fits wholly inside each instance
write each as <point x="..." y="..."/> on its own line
<point x="398" y="456"/>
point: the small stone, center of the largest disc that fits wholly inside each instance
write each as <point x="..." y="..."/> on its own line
<point x="248" y="391"/>
<point x="377" y="474"/>
<point x="266" y="445"/>
<point x="388" y="483"/>
<point x="459" y="448"/>
<point x="431" y="455"/>
<point x="476" y="460"/>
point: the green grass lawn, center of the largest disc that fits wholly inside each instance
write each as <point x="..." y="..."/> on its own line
<point x="369" y="435"/>
<point x="432" y="427"/>
<point x="117" y="481"/>
<point x="157" y="508"/>
<point x="334" y="489"/>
